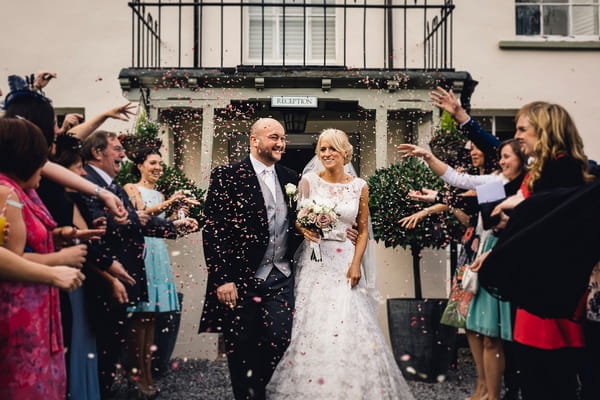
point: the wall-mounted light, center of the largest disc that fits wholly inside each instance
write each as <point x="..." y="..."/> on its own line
<point x="295" y="120"/>
<point x="325" y="84"/>
<point x="259" y="83"/>
<point x="392" y="85"/>
<point x="125" y="83"/>
<point x="192" y="83"/>
<point x="149" y="81"/>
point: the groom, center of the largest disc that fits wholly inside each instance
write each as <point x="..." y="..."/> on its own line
<point x="249" y="239"/>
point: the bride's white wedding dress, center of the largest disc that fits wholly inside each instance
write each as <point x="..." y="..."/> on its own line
<point x="337" y="350"/>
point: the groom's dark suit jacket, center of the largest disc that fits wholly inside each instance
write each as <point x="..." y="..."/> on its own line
<point x="124" y="242"/>
<point x="236" y="234"/>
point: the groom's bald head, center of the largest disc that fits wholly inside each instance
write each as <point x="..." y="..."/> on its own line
<point x="267" y="140"/>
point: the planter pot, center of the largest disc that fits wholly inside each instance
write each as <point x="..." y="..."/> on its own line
<point x="424" y="349"/>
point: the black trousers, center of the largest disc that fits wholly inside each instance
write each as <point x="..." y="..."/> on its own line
<point x="111" y="324"/>
<point x="259" y="332"/>
<point x="548" y="374"/>
<point x="589" y="373"/>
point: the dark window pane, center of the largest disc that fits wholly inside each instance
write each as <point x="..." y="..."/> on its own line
<point x="485" y="122"/>
<point x="528" y="20"/>
<point x="556" y="20"/>
<point x="505" y="127"/>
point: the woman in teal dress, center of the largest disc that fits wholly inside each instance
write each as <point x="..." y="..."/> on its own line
<point x="162" y="292"/>
<point x="489" y="320"/>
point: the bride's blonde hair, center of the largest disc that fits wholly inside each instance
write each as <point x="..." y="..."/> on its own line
<point x="338" y="140"/>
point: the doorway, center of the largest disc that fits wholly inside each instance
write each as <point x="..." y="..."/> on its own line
<point x="296" y="158"/>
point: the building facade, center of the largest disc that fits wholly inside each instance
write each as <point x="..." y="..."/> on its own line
<point x="205" y="70"/>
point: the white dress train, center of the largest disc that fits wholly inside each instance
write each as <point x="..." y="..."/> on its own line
<point x="337" y="350"/>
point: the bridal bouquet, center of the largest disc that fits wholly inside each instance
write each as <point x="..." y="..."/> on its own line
<point x="320" y="217"/>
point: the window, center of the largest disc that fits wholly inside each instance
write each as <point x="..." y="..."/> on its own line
<point x="312" y="25"/>
<point x="499" y="123"/>
<point x="557" y="17"/>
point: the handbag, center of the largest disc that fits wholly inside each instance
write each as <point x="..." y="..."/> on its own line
<point x="470" y="281"/>
<point x="459" y="302"/>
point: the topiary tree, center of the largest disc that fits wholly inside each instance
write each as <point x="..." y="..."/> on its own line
<point x="389" y="202"/>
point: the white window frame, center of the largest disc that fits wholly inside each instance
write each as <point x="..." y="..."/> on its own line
<point x="275" y="14"/>
<point x="493" y="115"/>
<point x="570" y="4"/>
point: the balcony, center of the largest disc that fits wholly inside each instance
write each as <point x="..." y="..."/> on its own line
<point x="292" y="35"/>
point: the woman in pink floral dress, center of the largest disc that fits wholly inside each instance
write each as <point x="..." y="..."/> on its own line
<point x="31" y="345"/>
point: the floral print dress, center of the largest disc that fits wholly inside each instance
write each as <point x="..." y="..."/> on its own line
<point x="32" y="363"/>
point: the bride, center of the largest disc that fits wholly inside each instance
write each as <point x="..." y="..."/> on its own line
<point x="337" y="350"/>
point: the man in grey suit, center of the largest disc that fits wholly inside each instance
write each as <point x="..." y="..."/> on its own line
<point x="249" y="239"/>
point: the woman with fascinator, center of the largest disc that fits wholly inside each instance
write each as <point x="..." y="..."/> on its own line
<point x="162" y="292"/>
<point x="337" y="350"/>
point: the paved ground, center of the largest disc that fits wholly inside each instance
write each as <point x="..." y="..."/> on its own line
<point x="206" y="380"/>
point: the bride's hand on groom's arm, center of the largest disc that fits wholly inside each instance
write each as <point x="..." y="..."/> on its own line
<point x="227" y="294"/>
<point x="352" y="233"/>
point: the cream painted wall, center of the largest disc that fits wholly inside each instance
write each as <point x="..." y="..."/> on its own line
<point x="510" y="78"/>
<point x="86" y="42"/>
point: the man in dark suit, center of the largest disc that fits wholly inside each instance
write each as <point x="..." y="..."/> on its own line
<point x="123" y="244"/>
<point x="249" y="239"/>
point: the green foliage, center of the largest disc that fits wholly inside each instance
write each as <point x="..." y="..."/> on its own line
<point x="172" y="180"/>
<point x="448" y="143"/>
<point x="144" y="127"/>
<point x="389" y="203"/>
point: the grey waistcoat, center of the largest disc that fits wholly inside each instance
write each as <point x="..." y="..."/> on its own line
<point x="277" y="215"/>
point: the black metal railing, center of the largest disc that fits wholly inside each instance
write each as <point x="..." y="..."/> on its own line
<point x="408" y="34"/>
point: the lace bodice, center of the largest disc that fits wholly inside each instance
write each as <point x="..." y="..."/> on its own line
<point x="344" y="196"/>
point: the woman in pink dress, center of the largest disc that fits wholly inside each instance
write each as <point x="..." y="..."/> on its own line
<point x="31" y="344"/>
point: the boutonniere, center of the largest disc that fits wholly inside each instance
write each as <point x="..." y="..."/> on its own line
<point x="292" y="192"/>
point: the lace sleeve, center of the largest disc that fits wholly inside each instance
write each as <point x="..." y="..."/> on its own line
<point x="303" y="190"/>
<point x="467" y="181"/>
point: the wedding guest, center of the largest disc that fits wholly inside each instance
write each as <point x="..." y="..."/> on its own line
<point x="124" y="243"/>
<point x="337" y="350"/>
<point x="31" y="359"/>
<point x="550" y="347"/>
<point x="79" y="337"/>
<point x="489" y="320"/>
<point x="162" y="292"/>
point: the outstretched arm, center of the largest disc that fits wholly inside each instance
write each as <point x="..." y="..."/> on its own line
<point x="84" y="129"/>
<point x="413" y="220"/>
<point x="447" y="101"/>
<point x="18" y="269"/>
<point x="68" y="178"/>
<point x="437" y="166"/>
